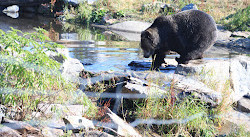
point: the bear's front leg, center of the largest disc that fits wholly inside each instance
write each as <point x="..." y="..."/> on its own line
<point x="157" y="60"/>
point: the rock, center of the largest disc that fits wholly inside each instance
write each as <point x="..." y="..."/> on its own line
<point x="238" y="118"/>
<point x="139" y="66"/>
<point x="122" y="128"/>
<point x="96" y="133"/>
<point x="243" y="105"/>
<point x="130" y="26"/>
<point x="63" y="110"/>
<point x="8" y="132"/>
<point x="77" y="123"/>
<point x="240" y="43"/>
<point x="222" y="34"/>
<point x="244" y="34"/>
<point x="3" y="111"/>
<point x="58" y="54"/>
<point x="13" y="15"/>
<point x="137" y="86"/>
<point x="12" y="9"/>
<point x="71" y="69"/>
<point x="52" y="132"/>
<point x="22" y="127"/>
<point x="189" y="86"/>
<point x="219" y="72"/>
<point x="190" y="6"/>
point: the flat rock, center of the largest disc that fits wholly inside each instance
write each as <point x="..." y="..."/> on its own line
<point x="130" y="26"/>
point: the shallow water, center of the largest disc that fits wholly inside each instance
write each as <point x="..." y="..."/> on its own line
<point x="99" y="50"/>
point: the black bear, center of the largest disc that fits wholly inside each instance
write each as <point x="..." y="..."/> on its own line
<point x="189" y="33"/>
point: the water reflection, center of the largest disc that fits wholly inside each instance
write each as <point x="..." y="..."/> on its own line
<point x="101" y="48"/>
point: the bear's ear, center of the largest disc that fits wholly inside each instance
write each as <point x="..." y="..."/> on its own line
<point x="148" y="34"/>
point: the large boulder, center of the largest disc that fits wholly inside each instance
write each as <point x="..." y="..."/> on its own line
<point x="221" y="74"/>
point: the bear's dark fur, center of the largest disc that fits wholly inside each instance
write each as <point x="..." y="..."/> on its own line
<point x="189" y="33"/>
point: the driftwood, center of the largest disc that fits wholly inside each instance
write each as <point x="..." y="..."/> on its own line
<point x="23" y="2"/>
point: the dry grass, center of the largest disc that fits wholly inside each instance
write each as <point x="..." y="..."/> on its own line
<point x="217" y="8"/>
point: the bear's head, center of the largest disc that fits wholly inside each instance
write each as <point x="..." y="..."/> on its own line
<point x="149" y="42"/>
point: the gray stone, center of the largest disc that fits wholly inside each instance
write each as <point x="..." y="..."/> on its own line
<point x="20" y="126"/>
<point x="130" y="26"/>
<point x="222" y="34"/>
<point x="122" y="128"/>
<point x="190" y="86"/>
<point x="52" y="132"/>
<point x="137" y="86"/>
<point x="96" y="133"/>
<point x="243" y="43"/>
<point x="219" y="72"/>
<point x="190" y="6"/>
<point x="8" y="132"/>
<point x="244" y="105"/>
<point x="12" y="9"/>
<point x="63" y="110"/>
<point x="244" y="34"/>
<point x="71" y="69"/>
<point x="77" y="123"/>
<point x="238" y="118"/>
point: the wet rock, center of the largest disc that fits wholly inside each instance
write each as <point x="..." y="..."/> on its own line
<point x="77" y="123"/>
<point x="240" y="43"/>
<point x="12" y="9"/>
<point x="121" y="127"/>
<point x="219" y="72"/>
<point x="142" y="66"/>
<point x="52" y="132"/>
<point x="243" y="105"/>
<point x="190" y="6"/>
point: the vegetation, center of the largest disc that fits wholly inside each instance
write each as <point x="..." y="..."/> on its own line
<point x="148" y="11"/>
<point x="29" y="76"/>
<point x="239" y="21"/>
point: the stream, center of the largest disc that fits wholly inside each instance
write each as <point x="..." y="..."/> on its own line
<point x="98" y="49"/>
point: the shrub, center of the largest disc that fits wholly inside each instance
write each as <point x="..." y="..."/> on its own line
<point x="239" y="21"/>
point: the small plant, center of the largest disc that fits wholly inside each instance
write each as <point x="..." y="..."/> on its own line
<point x="29" y="76"/>
<point x="98" y="14"/>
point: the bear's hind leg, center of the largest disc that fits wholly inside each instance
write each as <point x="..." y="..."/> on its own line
<point x="185" y="58"/>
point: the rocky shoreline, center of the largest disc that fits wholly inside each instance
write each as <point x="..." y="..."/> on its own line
<point x="206" y="80"/>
